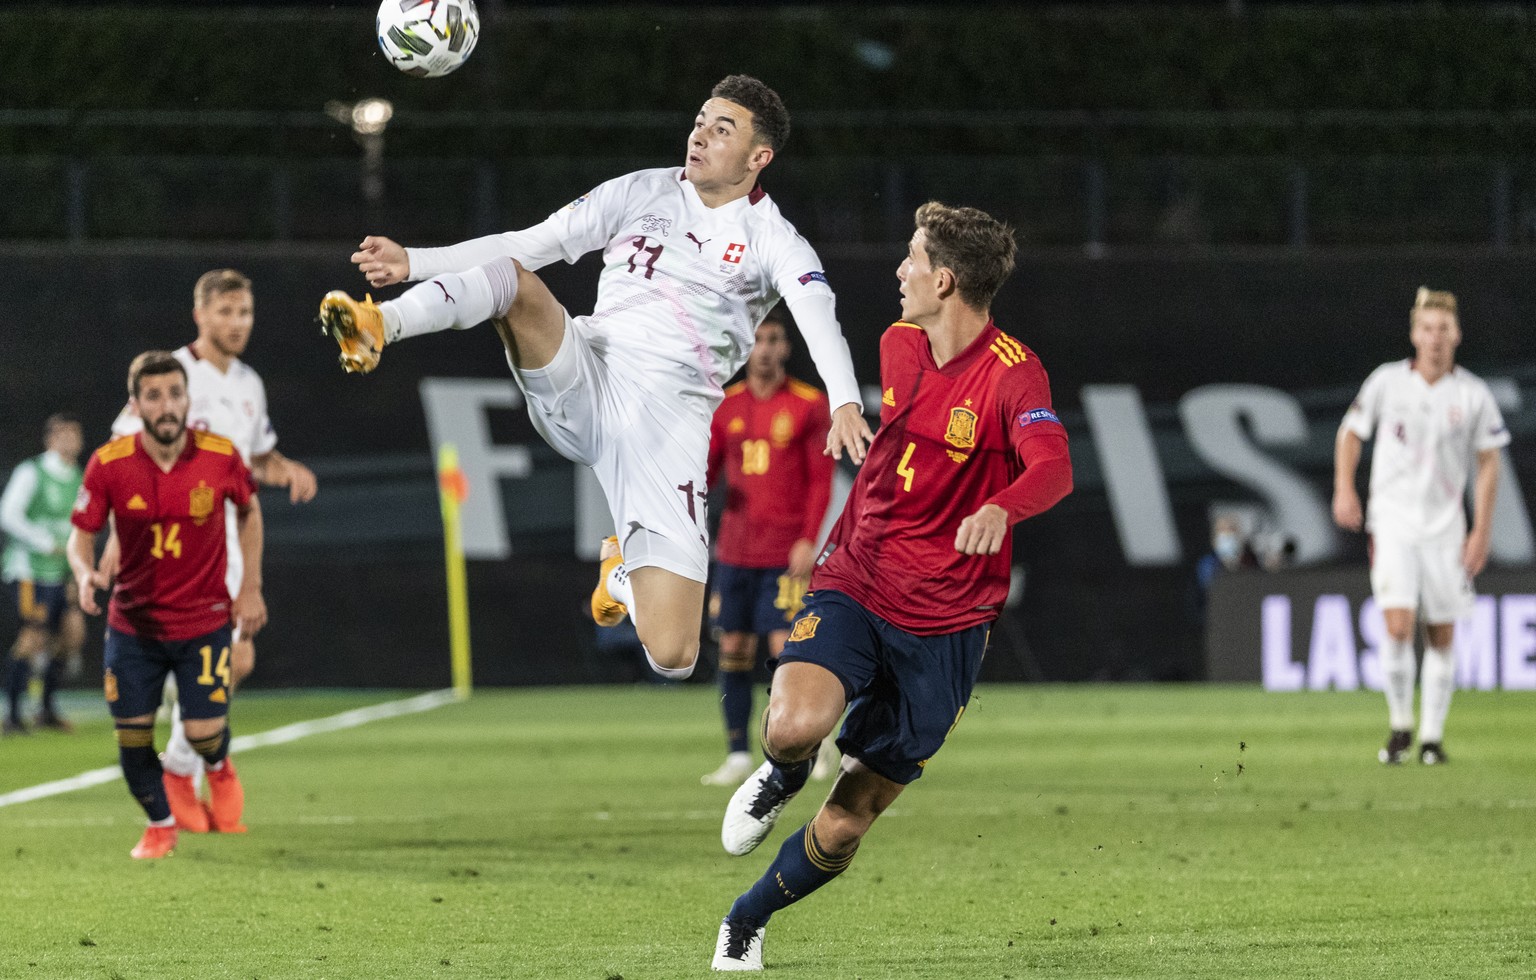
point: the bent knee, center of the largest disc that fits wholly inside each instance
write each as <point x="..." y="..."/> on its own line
<point x="794" y="734"/>
<point x="671" y="652"/>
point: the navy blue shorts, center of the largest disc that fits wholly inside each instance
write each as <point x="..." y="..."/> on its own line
<point x="134" y="678"/>
<point x="39" y="605"/>
<point x="754" y="600"/>
<point x="905" y="692"/>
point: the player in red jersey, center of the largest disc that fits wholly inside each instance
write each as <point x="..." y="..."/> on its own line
<point x="164" y="490"/>
<point x="766" y="439"/>
<point x="915" y="572"/>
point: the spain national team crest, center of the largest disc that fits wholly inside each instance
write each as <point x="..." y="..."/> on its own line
<point x="805" y="628"/>
<point x="201" y="504"/>
<point x="782" y="429"/>
<point x="962" y="428"/>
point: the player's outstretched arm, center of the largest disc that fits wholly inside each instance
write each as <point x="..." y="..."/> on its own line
<point x="382" y="261"/>
<point x="849" y="433"/>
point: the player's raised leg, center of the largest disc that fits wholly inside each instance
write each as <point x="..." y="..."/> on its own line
<point x="532" y="328"/>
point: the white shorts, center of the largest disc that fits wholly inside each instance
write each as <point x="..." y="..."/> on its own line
<point x="648" y="445"/>
<point x="234" y="560"/>
<point x="1422" y="575"/>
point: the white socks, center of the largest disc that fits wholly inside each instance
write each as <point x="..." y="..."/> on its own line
<point x="1397" y="670"/>
<point x="671" y="673"/>
<point x="1439" y="681"/>
<point x="618" y="587"/>
<point x="452" y="301"/>
<point x="179" y="756"/>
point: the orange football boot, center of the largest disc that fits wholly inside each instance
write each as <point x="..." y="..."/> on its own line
<point x="226" y="798"/>
<point x="607" y="610"/>
<point x="181" y="794"/>
<point x="357" y="327"/>
<point x="157" y="842"/>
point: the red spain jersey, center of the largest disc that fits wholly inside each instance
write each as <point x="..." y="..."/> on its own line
<point x="170" y="580"/>
<point x="779" y="478"/>
<point x="951" y="439"/>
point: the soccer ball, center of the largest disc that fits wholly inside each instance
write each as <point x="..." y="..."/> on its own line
<point x="428" y="38"/>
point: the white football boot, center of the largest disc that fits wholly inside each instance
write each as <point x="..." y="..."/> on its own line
<point x="753" y="810"/>
<point x="739" y="948"/>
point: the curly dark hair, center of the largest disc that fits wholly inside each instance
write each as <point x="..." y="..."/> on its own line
<point x="770" y="120"/>
<point x="977" y="247"/>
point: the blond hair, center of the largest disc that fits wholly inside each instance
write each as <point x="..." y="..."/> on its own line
<point x="217" y="282"/>
<point x="1433" y="299"/>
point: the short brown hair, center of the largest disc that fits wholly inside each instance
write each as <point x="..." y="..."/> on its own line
<point x="56" y="421"/>
<point x="211" y="284"/>
<point x="973" y="245"/>
<point x="1433" y="299"/>
<point x="150" y="363"/>
<point x="770" y="120"/>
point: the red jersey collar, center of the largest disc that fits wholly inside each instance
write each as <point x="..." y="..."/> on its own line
<point x="961" y="361"/>
<point x="186" y="451"/>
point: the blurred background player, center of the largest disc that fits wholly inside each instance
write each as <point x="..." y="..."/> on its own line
<point x="165" y="491"/>
<point x="1428" y="418"/>
<point x="767" y="438"/>
<point x="34" y="512"/>
<point x="915" y="572"/>
<point x="694" y="258"/>
<point x="229" y="399"/>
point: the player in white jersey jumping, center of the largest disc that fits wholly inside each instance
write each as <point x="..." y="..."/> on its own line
<point x="227" y="399"/>
<point x="1428" y="417"/>
<point x="694" y="257"/>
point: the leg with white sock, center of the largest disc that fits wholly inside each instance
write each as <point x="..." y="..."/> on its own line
<point x="1439" y="683"/>
<point x="452" y="301"/>
<point x="1398" y="674"/>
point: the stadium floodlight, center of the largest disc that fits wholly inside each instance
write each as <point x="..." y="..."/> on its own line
<point x="367" y="118"/>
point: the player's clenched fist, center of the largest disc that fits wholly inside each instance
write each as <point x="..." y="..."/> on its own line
<point x="382" y="261"/>
<point x="982" y="533"/>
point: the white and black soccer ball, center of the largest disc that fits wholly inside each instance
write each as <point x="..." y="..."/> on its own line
<point x="428" y="38"/>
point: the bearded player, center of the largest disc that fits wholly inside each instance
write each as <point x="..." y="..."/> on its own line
<point x="165" y="491"/>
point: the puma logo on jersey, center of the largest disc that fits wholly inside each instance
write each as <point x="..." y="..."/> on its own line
<point x="700" y="244"/>
<point x="446" y="295"/>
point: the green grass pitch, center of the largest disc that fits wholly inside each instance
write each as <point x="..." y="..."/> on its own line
<point x="1063" y="832"/>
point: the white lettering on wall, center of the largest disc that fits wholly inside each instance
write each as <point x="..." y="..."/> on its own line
<point x="455" y="410"/>
<point x="1215" y="417"/>
<point x="1331" y="656"/>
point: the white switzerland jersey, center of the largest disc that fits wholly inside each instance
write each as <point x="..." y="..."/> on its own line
<point x="1426" y="438"/>
<point x="231" y="404"/>
<point x="683" y="285"/>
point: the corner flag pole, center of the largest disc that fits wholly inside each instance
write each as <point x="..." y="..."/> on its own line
<point x="452" y="489"/>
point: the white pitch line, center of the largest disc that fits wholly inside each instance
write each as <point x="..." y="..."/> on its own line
<point x="245" y="743"/>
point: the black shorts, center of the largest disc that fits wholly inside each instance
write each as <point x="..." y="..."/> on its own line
<point x="906" y="692"/>
<point x="134" y="678"/>
<point x="41" y="606"/>
<point x="754" y="600"/>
